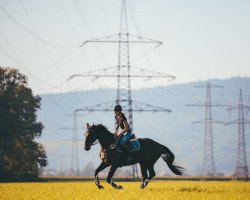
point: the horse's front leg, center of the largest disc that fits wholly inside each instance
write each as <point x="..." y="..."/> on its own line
<point x="110" y="175"/>
<point x="101" y="167"/>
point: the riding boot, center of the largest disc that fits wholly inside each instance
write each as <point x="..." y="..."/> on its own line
<point x="126" y="148"/>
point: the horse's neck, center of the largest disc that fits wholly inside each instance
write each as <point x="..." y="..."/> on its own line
<point x="105" y="140"/>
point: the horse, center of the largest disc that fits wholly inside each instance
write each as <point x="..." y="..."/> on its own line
<point x="149" y="152"/>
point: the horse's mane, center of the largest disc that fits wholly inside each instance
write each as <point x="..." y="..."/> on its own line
<point x="104" y="129"/>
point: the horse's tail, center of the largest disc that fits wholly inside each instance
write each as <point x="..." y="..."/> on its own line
<point x="168" y="157"/>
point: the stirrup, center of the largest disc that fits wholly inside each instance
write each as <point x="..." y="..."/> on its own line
<point x="112" y="146"/>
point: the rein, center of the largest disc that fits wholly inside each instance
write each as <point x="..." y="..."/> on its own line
<point x="112" y="146"/>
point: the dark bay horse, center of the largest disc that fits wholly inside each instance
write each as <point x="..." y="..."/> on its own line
<point x="149" y="152"/>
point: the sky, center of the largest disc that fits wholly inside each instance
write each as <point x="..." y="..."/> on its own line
<point x="201" y="40"/>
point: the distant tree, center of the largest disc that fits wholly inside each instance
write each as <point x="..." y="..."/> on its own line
<point x="20" y="155"/>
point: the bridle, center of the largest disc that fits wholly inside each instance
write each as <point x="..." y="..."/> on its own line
<point x="97" y="142"/>
<point x="94" y="142"/>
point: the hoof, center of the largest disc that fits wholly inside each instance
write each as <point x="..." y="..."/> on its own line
<point x="119" y="187"/>
<point x="100" y="187"/>
<point x="144" y="184"/>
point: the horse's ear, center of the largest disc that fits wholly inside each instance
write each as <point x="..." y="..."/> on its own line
<point x="87" y="125"/>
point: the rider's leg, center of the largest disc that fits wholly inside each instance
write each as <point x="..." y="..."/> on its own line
<point x="125" y="147"/>
<point x="129" y="157"/>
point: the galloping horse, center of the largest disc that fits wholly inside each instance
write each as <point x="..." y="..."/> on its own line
<point x="149" y="152"/>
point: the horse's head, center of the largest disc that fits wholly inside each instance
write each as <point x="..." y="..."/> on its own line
<point x="98" y="134"/>
<point x="90" y="137"/>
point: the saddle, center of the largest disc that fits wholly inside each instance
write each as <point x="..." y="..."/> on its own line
<point x="133" y="144"/>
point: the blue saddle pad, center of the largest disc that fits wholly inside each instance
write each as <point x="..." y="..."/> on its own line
<point x="134" y="145"/>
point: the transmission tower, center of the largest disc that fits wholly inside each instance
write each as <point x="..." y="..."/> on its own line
<point x="241" y="171"/>
<point x="61" y="167"/>
<point x="75" y="170"/>
<point x="208" y="163"/>
<point x="75" y="156"/>
<point x="124" y="72"/>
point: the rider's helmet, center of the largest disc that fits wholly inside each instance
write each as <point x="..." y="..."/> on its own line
<point x="118" y="108"/>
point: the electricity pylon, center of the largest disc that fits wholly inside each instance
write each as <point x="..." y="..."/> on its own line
<point x="124" y="72"/>
<point x="208" y="163"/>
<point x="61" y="162"/>
<point x="74" y="170"/>
<point x="241" y="171"/>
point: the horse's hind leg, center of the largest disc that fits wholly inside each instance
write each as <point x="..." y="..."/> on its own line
<point x="144" y="173"/>
<point x="101" y="167"/>
<point x="151" y="172"/>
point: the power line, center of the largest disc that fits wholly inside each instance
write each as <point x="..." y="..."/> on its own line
<point x="22" y="63"/>
<point x="57" y="61"/>
<point x="45" y="47"/>
<point x="105" y="17"/>
<point x="38" y="79"/>
<point x="134" y="17"/>
<point x="86" y="24"/>
<point x="26" y="70"/>
<point x="73" y="31"/>
<point x="54" y="61"/>
<point x="136" y="23"/>
<point x="32" y="34"/>
<point x="37" y="32"/>
<point x="12" y="49"/>
<point x="91" y="34"/>
<point x="20" y="60"/>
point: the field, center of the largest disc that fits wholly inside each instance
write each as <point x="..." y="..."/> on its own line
<point x="155" y="190"/>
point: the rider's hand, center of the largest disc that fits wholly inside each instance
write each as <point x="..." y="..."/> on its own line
<point x="116" y="133"/>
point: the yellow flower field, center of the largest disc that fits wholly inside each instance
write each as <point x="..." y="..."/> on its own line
<point x="155" y="190"/>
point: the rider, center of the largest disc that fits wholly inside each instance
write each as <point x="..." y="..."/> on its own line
<point x="123" y="135"/>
